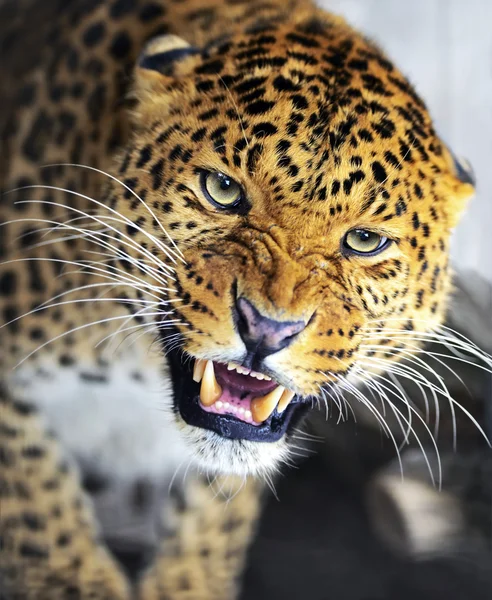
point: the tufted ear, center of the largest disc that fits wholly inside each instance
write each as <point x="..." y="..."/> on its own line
<point x="462" y="186"/>
<point x="162" y="65"/>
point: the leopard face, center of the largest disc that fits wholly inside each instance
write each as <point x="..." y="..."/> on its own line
<point x="298" y="203"/>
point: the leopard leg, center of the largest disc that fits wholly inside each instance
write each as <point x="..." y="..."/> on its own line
<point x="203" y="557"/>
<point x="49" y="548"/>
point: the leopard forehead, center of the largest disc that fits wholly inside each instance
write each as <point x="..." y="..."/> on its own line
<point x="310" y="114"/>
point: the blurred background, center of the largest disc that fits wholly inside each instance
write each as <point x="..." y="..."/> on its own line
<point x="445" y="48"/>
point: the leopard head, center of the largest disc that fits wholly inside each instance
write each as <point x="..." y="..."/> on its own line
<point x="290" y="184"/>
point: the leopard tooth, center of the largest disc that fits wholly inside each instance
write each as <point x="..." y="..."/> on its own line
<point x="285" y="400"/>
<point x="263" y="407"/>
<point x="210" y="391"/>
<point x="199" y="369"/>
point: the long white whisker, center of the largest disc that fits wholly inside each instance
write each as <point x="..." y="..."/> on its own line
<point x="177" y="252"/>
<point x="117" y="253"/>
<point x="391" y="389"/>
<point x="445" y="392"/>
<point x="449" y="342"/>
<point x="117" y="280"/>
<point x="122" y="239"/>
<point x="75" y="329"/>
<point x="411" y="356"/>
<point x="345" y="384"/>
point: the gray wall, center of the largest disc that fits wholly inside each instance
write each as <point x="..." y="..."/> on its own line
<point x="445" y="48"/>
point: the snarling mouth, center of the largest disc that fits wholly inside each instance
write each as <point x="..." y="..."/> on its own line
<point x="234" y="390"/>
<point x="234" y="402"/>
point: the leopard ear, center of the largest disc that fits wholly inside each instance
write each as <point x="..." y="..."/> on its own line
<point x="463" y="170"/>
<point x="162" y="55"/>
<point x="162" y="66"/>
<point x="462" y="186"/>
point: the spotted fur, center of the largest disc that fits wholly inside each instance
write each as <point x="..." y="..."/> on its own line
<point x="322" y="132"/>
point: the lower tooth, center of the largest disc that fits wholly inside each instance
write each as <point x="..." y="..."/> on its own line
<point x="285" y="400"/>
<point x="262" y="408"/>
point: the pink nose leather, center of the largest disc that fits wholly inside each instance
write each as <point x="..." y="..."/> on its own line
<point x="262" y="335"/>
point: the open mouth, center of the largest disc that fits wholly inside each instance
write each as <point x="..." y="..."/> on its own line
<point x="235" y="402"/>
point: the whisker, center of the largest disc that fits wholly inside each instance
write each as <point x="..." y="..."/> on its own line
<point x="118" y="254"/>
<point x="411" y="356"/>
<point x="445" y="392"/>
<point x="145" y="327"/>
<point x="102" y="273"/>
<point x="376" y="378"/>
<point x="177" y="252"/>
<point x="240" y="119"/>
<point x="73" y="330"/>
<point x="345" y="384"/>
<point x="447" y="333"/>
<point x="126" y="239"/>
<point x="271" y="485"/>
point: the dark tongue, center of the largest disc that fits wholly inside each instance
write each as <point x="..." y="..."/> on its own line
<point x="242" y="383"/>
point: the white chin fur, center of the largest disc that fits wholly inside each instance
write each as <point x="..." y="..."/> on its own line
<point x="214" y="454"/>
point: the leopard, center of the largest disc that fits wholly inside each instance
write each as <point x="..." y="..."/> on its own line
<point x="216" y="216"/>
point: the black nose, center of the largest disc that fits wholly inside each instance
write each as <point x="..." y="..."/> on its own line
<point x="261" y="335"/>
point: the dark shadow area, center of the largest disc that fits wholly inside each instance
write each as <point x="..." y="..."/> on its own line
<point x="316" y="542"/>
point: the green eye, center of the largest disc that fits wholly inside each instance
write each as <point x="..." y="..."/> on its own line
<point x="364" y="242"/>
<point x="221" y="189"/>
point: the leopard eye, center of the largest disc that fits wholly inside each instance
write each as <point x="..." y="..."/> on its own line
<point x="364" y="242"/>
<point x="220" y="189"/>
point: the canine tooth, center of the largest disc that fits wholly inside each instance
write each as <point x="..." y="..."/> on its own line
<point x="248" y="414"/>
<point x="267" y="378"/>
<point x="210" y="391"/>
<point x="199" y="369"/>
<point x="285" y="400"/>
<point x="262" y="408"/>
<point x="231" y="367"/>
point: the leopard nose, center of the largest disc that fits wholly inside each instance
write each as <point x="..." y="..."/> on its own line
<point x="261" y="335"/>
